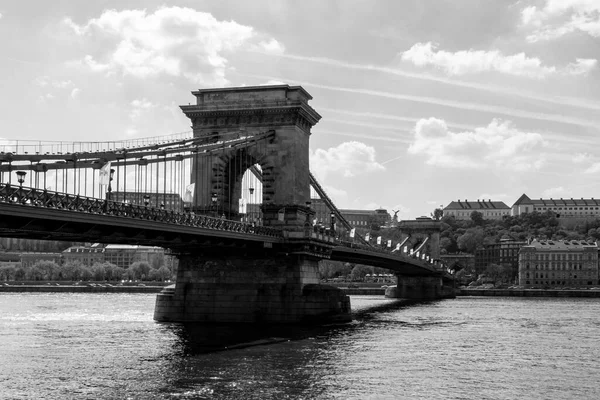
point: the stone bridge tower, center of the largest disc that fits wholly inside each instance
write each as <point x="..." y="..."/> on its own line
<point x="422" y="234"/>
<point x="220" y="113"/>
<point x="251" y="283"/>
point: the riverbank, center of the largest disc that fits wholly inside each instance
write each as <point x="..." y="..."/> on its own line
<point x="87" y="288"/>
<point x="529" y="292"/>
<point x="137" y="289"/>
<point x="360" y="291"/>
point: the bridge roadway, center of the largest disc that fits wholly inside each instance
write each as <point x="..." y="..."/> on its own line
<point x="41" y="214"/>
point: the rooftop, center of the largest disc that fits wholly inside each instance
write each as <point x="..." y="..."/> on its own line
<point x="477" y="205"/>
<point x="524" y="199"/>
<point x="562" y="245"/>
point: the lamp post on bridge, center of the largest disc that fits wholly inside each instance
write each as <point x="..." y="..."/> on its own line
<point x="213" y="202"/>
<point x="146" y="200"/>
<point x="332" y="223"/>
<point x="250" y="214"/>
<point x="109" y="189"/>
<point x="21" y="177"/>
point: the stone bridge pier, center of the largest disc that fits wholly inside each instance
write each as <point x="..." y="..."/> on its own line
<point x="422" y="235"/>
<point x="420" y="288"/>
<point x="251" y="289"/>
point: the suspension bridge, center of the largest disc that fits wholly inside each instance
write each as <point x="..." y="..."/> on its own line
<point x="231" y="199"/>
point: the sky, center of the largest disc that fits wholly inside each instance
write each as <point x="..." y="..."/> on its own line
<point x="423" y="102"/>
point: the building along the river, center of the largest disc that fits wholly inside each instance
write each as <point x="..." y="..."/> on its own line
<point x="559" y="263"/>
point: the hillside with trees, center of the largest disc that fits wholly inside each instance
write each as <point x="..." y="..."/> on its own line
<point x="468" y="235"/>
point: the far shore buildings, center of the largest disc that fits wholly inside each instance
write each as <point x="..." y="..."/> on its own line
<point x="563" y="208"/>
<point x="461" y="210"/>
<point x="118" y="254"/>
<point x="121" y="255"/>
<point x="505" y="253"/>
<point x="167" y="201"/>
<point x="356" y="218"/>
<point x="559" y="263"/>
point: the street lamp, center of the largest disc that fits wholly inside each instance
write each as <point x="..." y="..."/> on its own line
<point x="21" y="175"/>
<point x="213" y="201"/>
<point x="110" y="178"/>
<point x="251" y="190"/>
<point x="146" y="200"/>
<point x="332" y="223"/>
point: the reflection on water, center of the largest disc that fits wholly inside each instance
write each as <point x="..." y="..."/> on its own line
<point x="106" y="346"/>
<point x="197" y="338"/>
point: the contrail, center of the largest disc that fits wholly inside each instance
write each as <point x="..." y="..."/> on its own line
<point x="563" y="101"/>
<point x="448" y="103"/>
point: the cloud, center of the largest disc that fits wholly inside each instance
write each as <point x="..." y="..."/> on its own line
<point x="554" y="192"/>
<point x="488" y="196"/>
<point x="172" y="41"/>
<point x="557" y="18"/>
<point x="348" y="159"/>
<point x="581" y="158"/>
<point x="272" y="46"/>
<point x="338" y="196"/>
<point x="75" y="93"/>
<point x="139" y="107"/>
<point x="271" y="82"/>
<point x="498" y="145"/>
<point x="582" y="66"/>
<point x="46" y="81"/>
<point x="131" y="132"/>
<point x="463" y="105"/>
<point x="45" y="98"/>
<point x="476" y="61"/>
<point x="451" y="81"/>
<point x="0" y="15"/>
<point x="593" y="169"/>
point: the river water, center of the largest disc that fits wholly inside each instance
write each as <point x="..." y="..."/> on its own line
<point x="106" y="346"/>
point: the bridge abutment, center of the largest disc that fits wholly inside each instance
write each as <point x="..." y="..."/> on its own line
<point x="235" y="289"/>
<point x="420" y="288"/>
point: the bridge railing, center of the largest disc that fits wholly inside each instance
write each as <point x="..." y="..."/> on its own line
<point x="374" y="249"/>
<point x="30" y="197"/>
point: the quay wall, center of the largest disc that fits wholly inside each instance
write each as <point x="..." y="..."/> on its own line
<point x="78" y="289"/>
<point x="529" y="292"/>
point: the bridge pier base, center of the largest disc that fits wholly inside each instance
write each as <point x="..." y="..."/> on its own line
<point x="420" y="288"/>
<point x="236" y="289"/>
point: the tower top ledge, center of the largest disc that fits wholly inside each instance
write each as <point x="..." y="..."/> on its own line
<point x="251" y="94"/>
<point x="252" y="100"/>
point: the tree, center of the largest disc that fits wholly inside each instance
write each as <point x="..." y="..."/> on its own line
<point x="157" y="260"/>
<point x="437" y="214"/>
<point x="162" y="274"/>
<point x="499" y="273"/>
<point x="477" y="218"/>
<point x="98" y="272"/>
<point x="20" y="273"/>
<point x="71" y="271"/>
<point x="359" y="271"/>
<point x="34" y="273"/>
<point x="7" y="272"/>
<point x="140" y="269"/>
<point x="47" y="269"/>
<point x="471" y="240"/>
<point x="85" y="273"/>
<point x="331" y="269"/>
